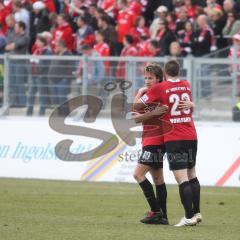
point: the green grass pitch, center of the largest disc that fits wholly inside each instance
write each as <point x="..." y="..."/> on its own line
<point x="62" y="210"/>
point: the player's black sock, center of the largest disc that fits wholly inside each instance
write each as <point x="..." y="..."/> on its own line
<point x="161" y="192"/>
<point x="185" y="192"/>
<point x="196" y="194"/>
<point x="149" y="194"/>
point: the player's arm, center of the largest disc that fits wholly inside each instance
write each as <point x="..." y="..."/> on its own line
<point x="137" y="100"/>
<point x="149" y="97"/>
<point x="142" y="117"/>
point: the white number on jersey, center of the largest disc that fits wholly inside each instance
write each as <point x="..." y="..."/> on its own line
<point x="175" y="99"/>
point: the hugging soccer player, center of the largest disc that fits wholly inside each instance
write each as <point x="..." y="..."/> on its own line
<point x="151" y="159"/>
<point x="153" y="150"/>
<point x="181" y="142"/>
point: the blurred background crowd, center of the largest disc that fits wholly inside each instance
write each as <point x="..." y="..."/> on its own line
<point x="141" y="28"/>
<point x="122" y="27"/>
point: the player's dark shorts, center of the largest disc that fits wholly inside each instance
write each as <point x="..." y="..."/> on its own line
<point x="152" y="156"/>
<point x="181" y="154"/>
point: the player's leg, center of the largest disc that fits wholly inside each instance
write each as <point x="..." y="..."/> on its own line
<point x="161" y="190"/>
<point x="195" y="185"/>
<point x="140" y="175"/>
<point x="185" y="191"/>
<point x="196" y="188"/>
<point x="177" y="154"/>
<point x="144" y="165"/>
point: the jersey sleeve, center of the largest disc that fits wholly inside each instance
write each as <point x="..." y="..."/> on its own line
<point x="152" y="95"/>
<point x="189" y="89"/>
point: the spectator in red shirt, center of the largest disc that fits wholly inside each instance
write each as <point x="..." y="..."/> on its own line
<point x="4" y="11"/>
<point x="191" y="8"/>
<point x="39" y="77"/>
<point x="50" y="5"/>
<point x="148" y="48"/>
<point x="128" y="50"/>
<point x="135" y="7"/>
<point x="153" y="48"/>
<point x="107" y="6"/>
<point x="102" y="48"/>
<point x="139" y="29"/>
<point x="63" y="32"/>
<point x="124" y="22"/>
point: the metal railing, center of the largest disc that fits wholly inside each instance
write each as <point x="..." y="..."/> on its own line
<point x="44" y="82"/>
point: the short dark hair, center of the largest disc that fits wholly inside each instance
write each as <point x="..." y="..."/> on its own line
<point x="155" y="69"/>
<point x="85" y="47"/>
<point x="124" y="2"/>
<point x="64" y="16"/>
<point x="129" y="39"/>
<point x="22" y="25"/>
<point x="100" y="11"/>
<point x="93" y="5"/>
<point x="100" y="32"/>
<point x="83" y="19"/>
<point x="105" y="19"/>
<point x="154" y="43"/>
<point x="42" y="39"/>
<point x="17" y="4"/>
<point x="172" y="68"/>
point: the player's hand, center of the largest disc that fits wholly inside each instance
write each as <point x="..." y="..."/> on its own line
<point x="185" y="105"/>
<point x="142" y="90"/>
<point x="160" y="110"/>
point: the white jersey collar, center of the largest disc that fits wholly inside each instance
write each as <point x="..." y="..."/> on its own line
<point x="172" y="80"/>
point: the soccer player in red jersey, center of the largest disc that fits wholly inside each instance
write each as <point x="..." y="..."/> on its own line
<point x="181" y="142"/>
<point x="151" y="159"/>
<point x="152" y="147"/>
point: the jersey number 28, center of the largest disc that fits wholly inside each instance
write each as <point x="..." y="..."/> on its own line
<point x="175" y="99"/>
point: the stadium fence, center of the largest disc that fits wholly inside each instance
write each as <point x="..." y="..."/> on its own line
<point x="40" y="83"/>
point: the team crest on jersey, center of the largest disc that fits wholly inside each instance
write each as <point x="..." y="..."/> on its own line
<point x="144" y="98"/>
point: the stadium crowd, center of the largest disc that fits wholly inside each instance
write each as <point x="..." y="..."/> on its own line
<point x="145" y="28"/>
<point x="123" y="27"/>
